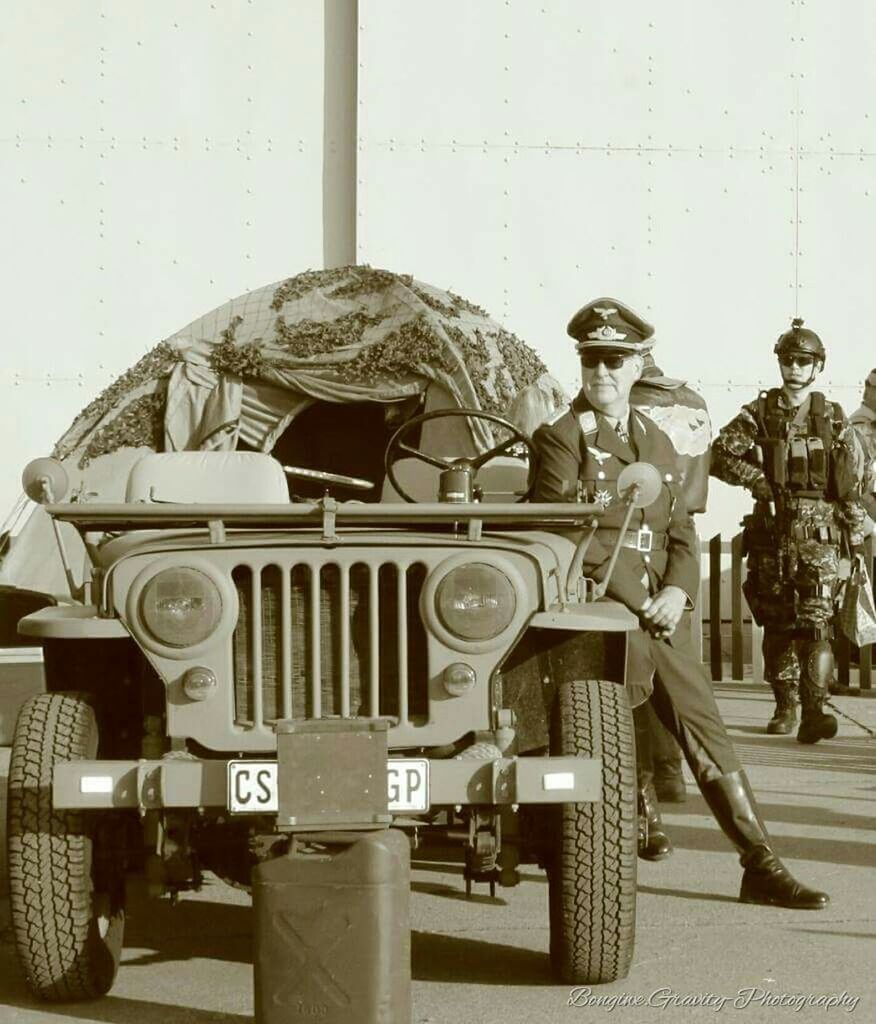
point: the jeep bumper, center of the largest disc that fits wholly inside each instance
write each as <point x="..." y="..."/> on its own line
<point x="152" y="785"/>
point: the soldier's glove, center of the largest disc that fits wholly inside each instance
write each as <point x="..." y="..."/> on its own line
<point x="761" y="490"/>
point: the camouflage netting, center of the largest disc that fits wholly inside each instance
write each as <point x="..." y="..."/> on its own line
<point x="351" y="334"/>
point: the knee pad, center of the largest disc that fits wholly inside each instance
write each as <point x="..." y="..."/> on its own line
<point x="820" y="663"/>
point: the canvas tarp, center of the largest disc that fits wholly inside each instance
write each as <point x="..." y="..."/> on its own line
<point x="351" y="334"/>
<point x="242" y="372"/>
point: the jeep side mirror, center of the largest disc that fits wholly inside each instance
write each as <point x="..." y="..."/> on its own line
<point x="639" y="484"/>
<point x="45" y="481"/>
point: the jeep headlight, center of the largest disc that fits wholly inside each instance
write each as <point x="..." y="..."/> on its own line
<point x="181" y="607"/>
<point x="475" y="601"/>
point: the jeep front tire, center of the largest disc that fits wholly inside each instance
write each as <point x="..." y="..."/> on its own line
<point x="67" y="921"/>
<point x="591" y="865"/>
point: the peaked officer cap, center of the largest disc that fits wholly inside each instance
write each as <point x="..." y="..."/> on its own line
<point x="609" y="324"/>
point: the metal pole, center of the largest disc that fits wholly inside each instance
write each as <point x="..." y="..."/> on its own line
<point x="340" y="131"/>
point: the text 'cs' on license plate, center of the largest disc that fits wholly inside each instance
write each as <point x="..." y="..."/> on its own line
<point x="253" y="787"/>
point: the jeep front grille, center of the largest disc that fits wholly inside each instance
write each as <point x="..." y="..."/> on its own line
<point x="315" y="639"/>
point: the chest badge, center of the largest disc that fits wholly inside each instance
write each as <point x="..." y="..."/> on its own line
<point x="602" y="498"/>
<point x="598" y="454"/>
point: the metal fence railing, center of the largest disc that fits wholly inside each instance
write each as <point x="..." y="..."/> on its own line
<point x="734" y="639"/>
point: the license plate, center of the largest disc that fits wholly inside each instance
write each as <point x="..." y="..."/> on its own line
<point x="253" y="786"/>
<point x="408" y="784"/>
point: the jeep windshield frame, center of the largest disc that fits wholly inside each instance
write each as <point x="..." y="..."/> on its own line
<point x="326" y="512"/>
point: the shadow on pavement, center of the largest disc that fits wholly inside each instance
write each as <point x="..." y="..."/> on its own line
<point x="791" y="814"/>
<point x="844" y="935"/>
<point x="475" y="962"/>
<point x="192" y="929"/>
<point x="856" y="756"/>
<point x="108" y="1010"/>
<point x="727" y="691"/>
<point x="454" y="892"/>
<point x="827" y="851"/>
<point x="686" y="894"/>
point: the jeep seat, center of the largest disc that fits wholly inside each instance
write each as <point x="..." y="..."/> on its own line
<point x="207" y="478"/>
<point x="503" y="479"/>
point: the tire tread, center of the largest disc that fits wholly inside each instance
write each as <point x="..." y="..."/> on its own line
<point x="50" y="855"/>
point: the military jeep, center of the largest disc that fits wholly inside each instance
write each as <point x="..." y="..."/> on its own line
<point x="217" y="614"/>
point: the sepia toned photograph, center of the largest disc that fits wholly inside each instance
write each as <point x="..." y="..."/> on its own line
<point x="437" y="514"/>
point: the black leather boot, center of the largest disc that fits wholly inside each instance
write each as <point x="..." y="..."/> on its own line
<point x="818" y="665"/>
<point x="815" y="725"/>
<point x="654" y="843"/>
<point x="765" y="879"/>
<point x="666" y="758"/>
<point x="669" y="782"/>
<point x="785" y="718"/>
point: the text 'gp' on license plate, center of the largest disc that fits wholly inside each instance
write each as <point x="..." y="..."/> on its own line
<point x="407" y="782"/>
<point x="253" y="786"/>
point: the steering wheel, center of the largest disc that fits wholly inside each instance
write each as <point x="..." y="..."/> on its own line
<point x="353" y="482"/>
<point x="397" y="447"/>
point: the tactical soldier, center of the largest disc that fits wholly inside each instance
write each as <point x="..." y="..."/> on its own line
<point x="798" y="454"/>
<point x="582" y="451"/>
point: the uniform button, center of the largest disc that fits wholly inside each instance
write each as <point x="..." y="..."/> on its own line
<point x="600" y="475"/>
<point x="668" y="478"/>
<point x="647" y="558"/>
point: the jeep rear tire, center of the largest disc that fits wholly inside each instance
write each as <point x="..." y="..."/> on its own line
<point x="592" y="864"/>
<point x="67" y="924"/>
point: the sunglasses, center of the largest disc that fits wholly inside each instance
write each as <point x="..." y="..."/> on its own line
<point x="796" y="360"/>
<point x="590" y="360"/>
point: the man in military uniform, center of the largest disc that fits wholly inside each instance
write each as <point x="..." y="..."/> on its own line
<point x="798" y="455"/>
<point x="863" y="420"/>
<point x="583" y="449"/>
<point x="682" y="415"/>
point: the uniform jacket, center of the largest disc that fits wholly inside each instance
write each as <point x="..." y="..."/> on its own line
<point x="580" y="453"/>
<point x="735" y="460"/>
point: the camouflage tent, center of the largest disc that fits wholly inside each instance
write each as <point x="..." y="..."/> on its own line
<point x="243" y="371"/>
<point x="241" y="374"/>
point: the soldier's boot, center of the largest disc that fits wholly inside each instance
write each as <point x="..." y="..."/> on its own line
<point x="818" y="666"/>
<point x="669" y="782"/>
<point x="815" y="724"/>
<point x="654" y="843"/>
<point x="666" y="757"/>
<point x="765" y="878"/>
<point x="785" y="717"/>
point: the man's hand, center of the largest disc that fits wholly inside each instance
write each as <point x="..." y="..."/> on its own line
<point x="662" y="612"/>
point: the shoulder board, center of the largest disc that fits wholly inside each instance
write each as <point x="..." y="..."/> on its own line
<point x="661" y="382"/>
<point x="558" y="415"/>
<point x="587" y="421"/>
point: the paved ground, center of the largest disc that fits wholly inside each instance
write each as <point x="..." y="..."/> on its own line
<point x="483" y="961"/>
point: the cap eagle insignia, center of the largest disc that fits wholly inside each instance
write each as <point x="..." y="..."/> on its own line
<point x="604" y="311"/>
<point x="606" y="333"/>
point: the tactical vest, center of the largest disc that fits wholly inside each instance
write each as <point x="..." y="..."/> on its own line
<point x="804" y="463"/>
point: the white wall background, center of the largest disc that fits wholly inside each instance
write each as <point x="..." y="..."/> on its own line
<point x="157" y="157"/>
<point x="710" y="163"/>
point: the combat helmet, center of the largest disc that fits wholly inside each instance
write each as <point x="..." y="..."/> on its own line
<point x="802" y="341"/>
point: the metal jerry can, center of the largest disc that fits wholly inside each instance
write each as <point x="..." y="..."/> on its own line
<point x="332" y="932"/>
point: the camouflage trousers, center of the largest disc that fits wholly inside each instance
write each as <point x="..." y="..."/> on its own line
<point x="792" y="587"/>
